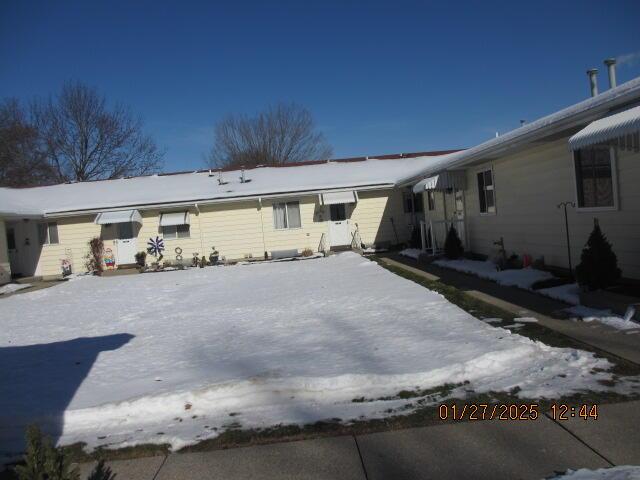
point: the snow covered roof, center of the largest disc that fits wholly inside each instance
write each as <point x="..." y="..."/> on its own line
<point x="608" y="128"/>
<point x="576" y="115"/>
<point x="199" y="187"/>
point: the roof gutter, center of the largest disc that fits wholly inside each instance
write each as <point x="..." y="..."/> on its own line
<point x="576" y="115"/>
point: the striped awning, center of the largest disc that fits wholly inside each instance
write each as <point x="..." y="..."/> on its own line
<point x="174" y="218"/>
<point x="443" y="181"/>
<point x="621" y="129"/>
<point x="122" y="216"/>
<point x="334" y="198"/>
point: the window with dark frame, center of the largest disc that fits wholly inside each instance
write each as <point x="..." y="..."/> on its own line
<point x="11" y="239"/>
<point x="594" y="177"/>
<point x="418" y="203"/>
<point x="48" y="233"/>
<point x="406" y="202"/>
<point x="486" y="194"/>
<point x="412" y="202"/>
<point x="176" y="231"/>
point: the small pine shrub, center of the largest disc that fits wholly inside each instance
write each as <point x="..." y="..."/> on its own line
<point x="598" y="266"/>
<point x="100" y="472"/>
<point x="95" y="255"/>
<point x="43" y="461"/>
<point x="453" y="248"/>
<point x="141" y="259"/>
<point x="307" y="252"/>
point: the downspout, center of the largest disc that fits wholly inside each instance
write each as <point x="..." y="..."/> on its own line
<point x="264" y="243"/>
<point x="200" y="228"/>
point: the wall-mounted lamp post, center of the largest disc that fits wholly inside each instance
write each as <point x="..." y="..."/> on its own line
<point x="566" y="225"/>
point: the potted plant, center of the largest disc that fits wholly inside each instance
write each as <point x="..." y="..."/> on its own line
<point x="214" y="256"/>
<point x="141" y="259"/>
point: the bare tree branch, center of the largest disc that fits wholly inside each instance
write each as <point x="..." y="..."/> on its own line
<point x="284" y="133"/>
<point x="85" y="140"/>
<point x="23" y="161"/>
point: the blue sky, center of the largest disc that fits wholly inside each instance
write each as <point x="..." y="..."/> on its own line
<point x="379" y="77"/>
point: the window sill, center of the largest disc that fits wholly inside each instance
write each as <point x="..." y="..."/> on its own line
<point x="597" y="209"/>
<point x="488" y="214"/>
<point x="287" y="229"/>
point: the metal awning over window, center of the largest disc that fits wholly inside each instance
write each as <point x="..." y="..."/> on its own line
<point x="123" y="216"/>
<point x="621" y="129"/>
<point x="175" y="218"/>
<point x="443" y="181"/>
<point x="334" y="198"/>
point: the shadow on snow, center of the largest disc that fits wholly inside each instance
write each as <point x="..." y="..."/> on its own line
<point x="37" y="383"/>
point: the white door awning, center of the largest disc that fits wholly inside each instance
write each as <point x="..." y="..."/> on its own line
<point x="123" y="216"/>
<point x="175" y="218"/>
<point x="622" y="129"/>
<point x="334" y="198"/>
<point x="443" y="181"/>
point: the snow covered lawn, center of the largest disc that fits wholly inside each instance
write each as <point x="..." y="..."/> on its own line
<point x="522" y="278"/>
<point x="177" y="357"/>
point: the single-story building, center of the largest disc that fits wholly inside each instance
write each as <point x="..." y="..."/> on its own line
<point x="508" y="193"/>
<point x="244" y="214"/>
<point x="512" y="189"/>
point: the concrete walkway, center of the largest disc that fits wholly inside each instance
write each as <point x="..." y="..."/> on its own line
<point x="528" y="304"/>
<point x="481" y="450"/>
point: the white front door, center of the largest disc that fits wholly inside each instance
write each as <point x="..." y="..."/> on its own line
<point x="24" y="247"/>
<point x="126" y="247"/>
<point x="339" y="228"/>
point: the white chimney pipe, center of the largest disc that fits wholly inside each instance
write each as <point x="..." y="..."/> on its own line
<point x="593" y="81"/>
<point x="611" y="66"/>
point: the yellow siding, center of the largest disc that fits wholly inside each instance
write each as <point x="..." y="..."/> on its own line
<point x="374" y="213"/>
<point x="237" y="230"/>
<point x="5" y="269"/>
<point x="74" y="234"/>
<point x="233" y="228"/>
<point x="528" y="188"/>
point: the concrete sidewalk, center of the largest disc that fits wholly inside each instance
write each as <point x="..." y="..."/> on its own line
<point x="481" y="450"/>
<point x="528" y="304"/>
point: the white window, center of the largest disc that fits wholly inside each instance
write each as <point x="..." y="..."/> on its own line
<point x="486" y="192"/>
<point x="286" y="215"/>
<point x="175" y="231"/>
<point x="48" y="233"/>
<point x="595" y="177"/>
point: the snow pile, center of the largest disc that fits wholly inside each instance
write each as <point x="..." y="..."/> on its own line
<point x="179" y="358"/>
<point x="13" y="287"/>
<point x="603" y="316"/>
<point x="567" y="293"/>
<point x="623" y="472"/>
<point x="522" y="278"/>
<point x="411" y="253"/>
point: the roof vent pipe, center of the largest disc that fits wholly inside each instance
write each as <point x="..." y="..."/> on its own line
<point x="593" y="80"/>
<point x="611" y="66"/>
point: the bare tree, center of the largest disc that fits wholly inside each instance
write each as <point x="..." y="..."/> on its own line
<point x="85" y="140"/>
<point x="23" y="162"/>
<point x="284" y="133"/>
